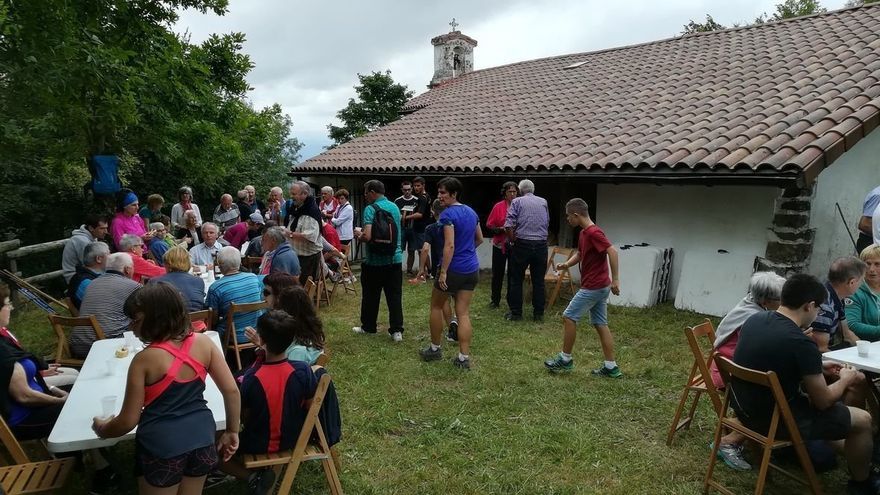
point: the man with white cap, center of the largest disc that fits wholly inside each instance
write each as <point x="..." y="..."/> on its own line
<point x="236" y="235"/>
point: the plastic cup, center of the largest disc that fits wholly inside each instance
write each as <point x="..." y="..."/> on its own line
<point x="108" y="406"/>
<point x="863" y="346"/>
<point x="130" y="340"/>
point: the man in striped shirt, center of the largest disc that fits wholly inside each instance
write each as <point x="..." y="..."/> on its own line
<point x="528" y="218"/>
<point x="104" y="298"/>
<point x="235" y="287"/>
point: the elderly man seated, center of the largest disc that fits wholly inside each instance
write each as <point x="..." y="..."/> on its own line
<point x="158" y="245"/>
<point x="94" y="263"/>
<point x="134" y="246"/>
<point x="278" y="255"/>
<point x="776" y="341"/>
<point x="226" y="214"/>
<point x="104" y="299"/>
<point x="204" y="252"/>
<point x="830" y="329"/>
<point x="234" y="287"/>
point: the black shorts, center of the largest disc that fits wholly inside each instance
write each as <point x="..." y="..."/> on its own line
<point x="459" y="281"/>
<point x="833" y="423"/>
<point x="163" y="473"/>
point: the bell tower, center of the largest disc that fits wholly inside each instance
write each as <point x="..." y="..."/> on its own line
<point x="453" y="55"/>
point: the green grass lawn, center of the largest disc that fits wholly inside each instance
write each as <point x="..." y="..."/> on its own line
<point x="506" y="426"/>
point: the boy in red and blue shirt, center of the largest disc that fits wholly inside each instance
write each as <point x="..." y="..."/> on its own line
<point x="595" y="253"/>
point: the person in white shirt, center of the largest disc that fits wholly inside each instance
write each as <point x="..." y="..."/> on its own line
<point x="875" y="225"/>
<point x="203" y="254"/>
<point x="343" y="218"/>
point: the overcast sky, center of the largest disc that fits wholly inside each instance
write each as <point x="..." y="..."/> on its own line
<point x="308" y="53"/>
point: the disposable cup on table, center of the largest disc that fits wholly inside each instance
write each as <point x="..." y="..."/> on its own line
<point x="863" y="347"/>
<point x="130" y="340"/>
<point x="108" y="406"/>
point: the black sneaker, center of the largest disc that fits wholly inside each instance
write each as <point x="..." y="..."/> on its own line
<point x="105" y="481"/>
<point x="494" y="305"/>
<point x="512" y="317"/>
<point x="452" y="334"/>
<point x="538" y="318"/>
<point x="464" y="364"/>
<point x="261" y="482"/>
<point x="428" y="354"/>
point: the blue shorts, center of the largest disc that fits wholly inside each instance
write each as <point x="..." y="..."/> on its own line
<point x="596" y="301"/>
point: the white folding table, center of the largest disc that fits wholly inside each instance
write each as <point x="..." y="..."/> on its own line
<point x="850" y="356"/>
<point x="73" y="430"/>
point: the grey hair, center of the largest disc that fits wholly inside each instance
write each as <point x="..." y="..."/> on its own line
<point x="186" y="190"/>
<point x="844" y="269"/>
<point x="277" y="189"/>
<point x="189" y="213"/>
<point x="578" y="206"/>
<point x="526" y="186"/>
<point x="327" y="189"/>
<point x="229" y="258"/>
<point x="93" y="250"/>
<point x="226" y="196"/>
<point x="119" y="262"/>
<point x="210" y="224"/>
<point x="157" y="226"/>
<point x="303" y="186"/>
<point x="276" y="234"/>
<point x="242" y="194"/>
<point x="128" y="241"/>
<point x="765" y="286"/>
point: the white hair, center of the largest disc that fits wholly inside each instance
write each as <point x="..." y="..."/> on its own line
<point x="128" y="241"/>
<point x="226" y="196"/>
<point x="327" y="189"/>
<point x="277" y="189"/>
<point x="93" y="250"/>
<point x="526" y="186"/>
<point x="211" y="225"/>
<point x="229" y="259"/>
<point x="764" y="286"/>
<point x="157" y="226"/>
<point x="303" y="186"/>
<point x="119" y="262"/>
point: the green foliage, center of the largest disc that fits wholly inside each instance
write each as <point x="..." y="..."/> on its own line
<point x="379" y="101"/>
<point x="697" y="27"/>
<point x="109" y="76"/>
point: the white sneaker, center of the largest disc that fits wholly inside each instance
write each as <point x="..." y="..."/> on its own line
<point x="397" y="337"/>
<point x="358" y="330"/>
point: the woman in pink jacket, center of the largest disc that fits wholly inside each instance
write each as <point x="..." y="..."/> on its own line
<point x="495" y="225"/>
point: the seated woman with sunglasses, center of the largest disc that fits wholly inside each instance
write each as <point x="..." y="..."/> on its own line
<point x="281" y="291"/>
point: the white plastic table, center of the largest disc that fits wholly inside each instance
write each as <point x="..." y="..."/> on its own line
<point x="73" y="430"/>
<point x="850" y="356"/>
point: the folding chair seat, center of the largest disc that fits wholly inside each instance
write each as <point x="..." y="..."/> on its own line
<point x="699" y="380"/>
<point x="202" y="321"/>
<point x="25" y="476"/>
<point x="347" y="276"/>
<point x="555" y="279"/>
<point x="311" y="445"/>
<point x="322" y="292"/>
<point x="769" y="442"/>
<point x="59" y="324"/>
<point x="231" y="339"/>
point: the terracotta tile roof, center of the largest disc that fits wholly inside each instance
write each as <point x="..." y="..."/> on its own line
<point x="777" y="100"/>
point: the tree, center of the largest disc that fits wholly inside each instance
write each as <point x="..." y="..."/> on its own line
<point x="859" y="3"/>
<point x="785" y="10"/>
<point x="696" y="27"/>
<point x="110" y="77"/>
<point x="379" y="102"/>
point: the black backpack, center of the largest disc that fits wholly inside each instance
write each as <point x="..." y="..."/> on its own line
<point x="383" y="233"/>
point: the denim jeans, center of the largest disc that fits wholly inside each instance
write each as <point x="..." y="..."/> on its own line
<point x="532" y="255"/>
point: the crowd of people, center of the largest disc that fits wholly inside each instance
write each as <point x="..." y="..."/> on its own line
<point x="133" y="272"/>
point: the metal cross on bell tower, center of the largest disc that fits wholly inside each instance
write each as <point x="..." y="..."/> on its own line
<point x="453" y="24"/>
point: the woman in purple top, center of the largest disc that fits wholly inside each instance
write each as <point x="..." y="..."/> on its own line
<point x="459" y="271"/>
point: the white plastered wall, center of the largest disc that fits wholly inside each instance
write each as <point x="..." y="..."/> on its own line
<point x="733" y="218"/>
<point x="847" y="181"/>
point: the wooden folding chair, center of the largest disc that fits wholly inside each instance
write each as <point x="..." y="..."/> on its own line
<point x="231" y="334"/>
<point x="768" y="442"/>
<point x="323" y="359"/>
<point x="25" y="476"/>
<point x="303" y="451"/>
<point x="322" y="292"/>
<point x="205" y="316"/>
<point x="71" y="308"/>
<point x="59" y="323"/>
<point x="555" y="279"/>
<point x="252" y="263"/>
<point x="700" y="380"/>
<point x="311" y="288"/>
<point x="347" y="276"/>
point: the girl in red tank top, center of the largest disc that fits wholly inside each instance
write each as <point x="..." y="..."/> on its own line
<point x="164" y="396"/>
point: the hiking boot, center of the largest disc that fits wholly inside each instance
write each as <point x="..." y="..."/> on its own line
<point x="397" y="336"/>
<point x="261" y="482"/>
<point x="732" y="456"/>
<point x="428" y="354"/>
<point x="558" y="365"/>
<point x="608" y="373"/>
<point x="512" y="317"/>
<point x="464" y="364"/>
<point x="452" y="334"/>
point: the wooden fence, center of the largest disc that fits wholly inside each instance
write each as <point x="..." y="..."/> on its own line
<point x="12" y="251"/>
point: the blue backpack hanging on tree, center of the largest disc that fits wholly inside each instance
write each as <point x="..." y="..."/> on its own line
<point x="104" y="170"/>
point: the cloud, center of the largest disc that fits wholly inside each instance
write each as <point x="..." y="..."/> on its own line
<point x="307" y="54"/>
